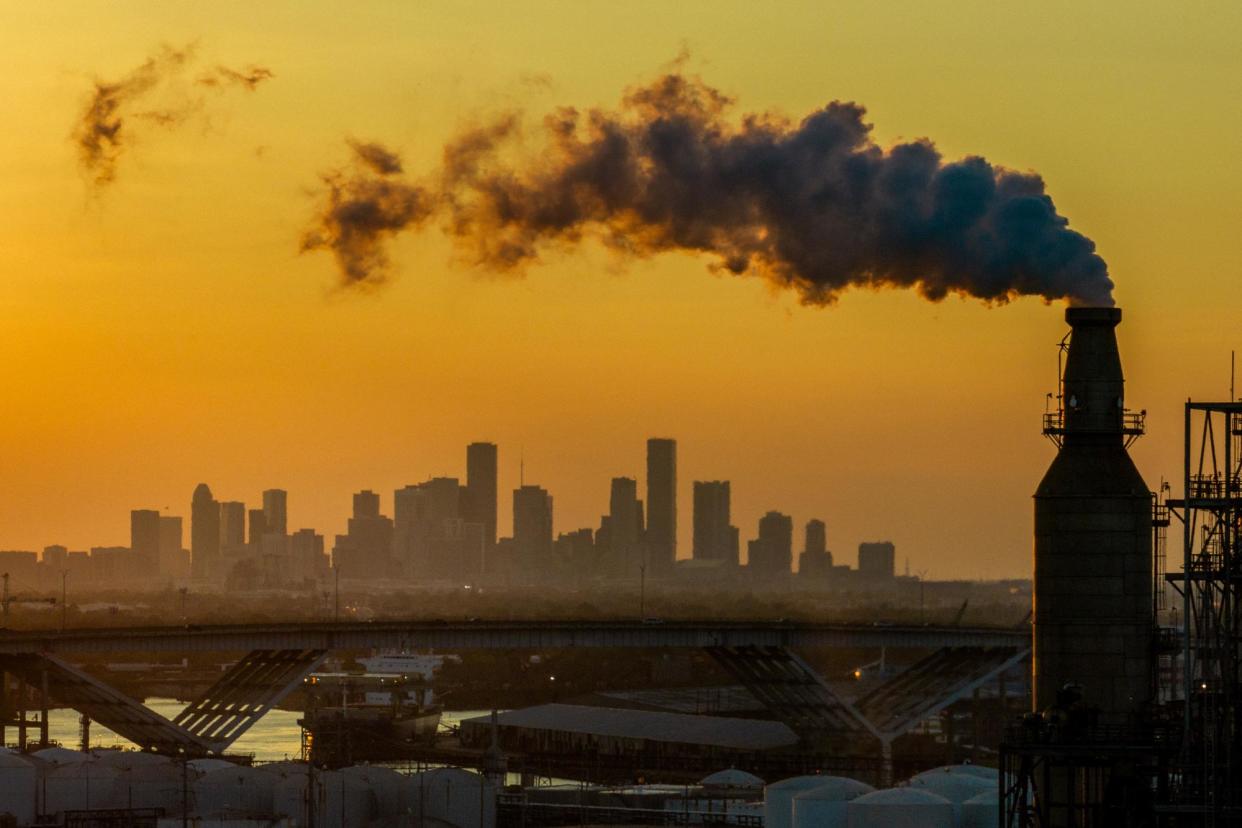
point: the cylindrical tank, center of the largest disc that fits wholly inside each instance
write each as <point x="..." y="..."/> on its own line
<point x="454" y="796"/>
<point x="234" y="788"/>
<point x="982" y="811"/>
<point x="80" y="786"/>
<point x="955" y="787"/>
<point x="778" y="799"/>
<point x="824" y="806"/>
<point x="1093" y="621"/>
<point x="388" y="786"/>
<point x="900" y="808"/>
<point x="18" y="788"/>
<point x="340" y="799"/>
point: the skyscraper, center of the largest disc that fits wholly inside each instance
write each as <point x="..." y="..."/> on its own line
<point x="622" y="552"/>
<point x="714" y="538"/>
<point x="427" y="527"/>
<point x="365" y="552"/>
<point x="204" y="535"/>
<point x="172" y="552"/>
<point x="816" y="560"/>
<point x="144" y="539"/>
<point x="661" y="503"/>
<point x="877" y="560"/>
<point x="232" y="525"/>
<point x="480" y="496"/>
<point x="275" y="511"/>
<point x="532" y="529"/>
<point x="771" y="554"/>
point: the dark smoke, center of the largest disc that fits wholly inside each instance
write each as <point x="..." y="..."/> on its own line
<point x="362" y="208"/>
<point x="816" y="206"/>
<point x="105" y="128"/>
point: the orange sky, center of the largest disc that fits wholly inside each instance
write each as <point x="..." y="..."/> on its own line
<point x="165" y="331"/>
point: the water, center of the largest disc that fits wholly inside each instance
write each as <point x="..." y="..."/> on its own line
<point x="275" y="737"/>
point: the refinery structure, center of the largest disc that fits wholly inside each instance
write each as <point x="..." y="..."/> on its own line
<point x="1131" y="717"/>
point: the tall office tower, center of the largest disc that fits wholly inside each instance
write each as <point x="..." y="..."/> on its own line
<point x="714" y="538"/>
<point x="480" y="496"/>
<point x="532" y="531"/>
<point x="55" y="558"/>
<point x="204" y="535"/>
<point x="144" y="539"/>
<point x="365" y="551"/>
<point x="771" y="554"/>
<point x="877" y="560"/>
<point x="366" y="505"/>
<point x="426" y="530"/>
<point x="307" y="557"/>
<point x="258" y="528"/>
<point x="661" y="503"/>
<point x="815" y="560"/>
<point x="173" y="561"/>
<point x="276" y="511"/>
<point x="232" y="525"/>
<point x="623" y="552"/>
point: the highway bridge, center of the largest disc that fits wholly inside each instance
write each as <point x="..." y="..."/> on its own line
<point x="503" y="635"/>
<point x="278" y="657"/>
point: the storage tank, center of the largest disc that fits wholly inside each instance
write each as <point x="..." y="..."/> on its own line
<point x="982" y="811"/>
<point x="153" y="785"/>
<point x="234" y="788"/>
<point x="452" y="795"/>
<point x="778" y="799"/>
<point x="339" y="799"/>
<point x="900" y="808"/>
<point x="953" y="786"/>
<point x="18" y="787"/>
<point x="1093" y="622"/>
<point x="62" y="756"/>
<point x="824" y="806"/>
<point x="981" y="771"/>
<point x="80" y="786"/>
<point x="732" y="779"/>
<point x="388" y="787"/>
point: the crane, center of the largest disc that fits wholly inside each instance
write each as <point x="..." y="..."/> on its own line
<point x="6" y="600"/>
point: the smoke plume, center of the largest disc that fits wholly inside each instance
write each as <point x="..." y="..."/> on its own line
<point x="146" y="96"/>
<point x="816" y="206"/>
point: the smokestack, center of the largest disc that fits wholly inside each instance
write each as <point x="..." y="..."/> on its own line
<point x="1093" y="621"/>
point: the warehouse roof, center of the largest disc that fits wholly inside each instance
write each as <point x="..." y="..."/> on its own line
<point x="680" y="728"/>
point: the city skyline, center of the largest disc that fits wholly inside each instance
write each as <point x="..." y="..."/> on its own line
<point x="163" y="329"/>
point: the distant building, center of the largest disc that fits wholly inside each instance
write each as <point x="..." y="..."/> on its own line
<point x="365" y="551"/>
<point x="232" y="524"/>
<point x="479" y="499"/>
<point x="258" y="528"/>
<point x="815" y="560"/>
<point x="55" y="558"/>
<point x="276" y="511"/>
<point x="427" y="530"/>
<point x="204" y="535"/>
<point x="621" y="549"/>
<point x="532" y="530"/>
<point x="661" y="535"/>
<point x="307" y="556"/>
<point x="714" y="538"/>
<point x="771" y="554"/>
<point x="574" y="553"/>
<point x="877" y="560"/>
<point x="144" y="539"/>
<point x="174" y="562"/>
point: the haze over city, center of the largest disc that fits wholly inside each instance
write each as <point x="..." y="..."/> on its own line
<point x="165" y="331"/>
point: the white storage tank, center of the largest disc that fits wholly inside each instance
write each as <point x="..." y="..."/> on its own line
<point x="388" y="786"/>
<point x="824" y="806"/>
<point x="234" y="788"/>
<point x="953" y="786"/>
<point x="778" y="799"/>
<point x="62" y="756"/>
<point x="80" y="786"/>
<point x="981" y="811"/>
<point x="154" y="785"/>
<point x="900" y="808"/>
<point x="452" y="795"/>
<point x="339" y="799"/>
<point x="18" y="787"/>
<point x="732" y="780"/>
<point x="989" y="774"/>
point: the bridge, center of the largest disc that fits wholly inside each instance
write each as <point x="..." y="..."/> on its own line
<point x="503" y="635"/>
<point x="280" y="656"/>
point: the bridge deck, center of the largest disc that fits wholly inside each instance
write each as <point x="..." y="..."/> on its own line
<point x="506" y="635"/>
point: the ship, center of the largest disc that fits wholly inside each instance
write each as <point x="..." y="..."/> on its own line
<point x="381" y="714"/>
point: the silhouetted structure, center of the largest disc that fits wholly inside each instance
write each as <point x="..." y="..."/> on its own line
<point x="365" y="551"/>
<point x="480" y="497"/>
<point x="174" y="563"/>
<point x="276" y="511"/>
<point x="714" y="538"/>
<point x="815" y="560"/>
<point x="232" y="525"/>
<point x="661" y="535"/>
<point x="620" y="538"/>
<point x="877" y="560"/>
<point x="532" y="531"/>
<point x="771" y="554"/>
<point x="204" y="535"/>
<point x="144" y="538"/>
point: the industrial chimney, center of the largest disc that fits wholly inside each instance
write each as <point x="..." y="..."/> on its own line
<point x="1093" y="621"/>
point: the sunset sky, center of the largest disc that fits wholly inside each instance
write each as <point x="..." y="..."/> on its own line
<point x="164" y="330"/>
